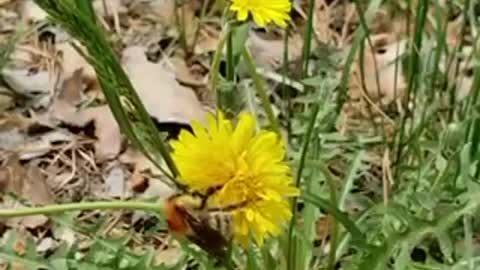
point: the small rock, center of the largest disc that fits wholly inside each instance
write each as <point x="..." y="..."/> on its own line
<point x="115" y="182"/>
<point x="24" y="82"/>
<point x="46" y="244"/>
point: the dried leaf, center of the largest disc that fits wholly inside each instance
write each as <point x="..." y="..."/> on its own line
<point x="164" y="98"/>
<point x="143" y="169"/>
<point x="137" y="182"/>
<point x="323" y="18"/>
<point x="163" y="10"/>
<point x="9" y="121"/>
<point x="46" y="244"/>
<point x="22" y="56"/>
<point x="107" y="8"/>
<point x="20" y="246"/>
<point x="13" y="175"/>
<point x="268" y="52"/>
<point x="10" y="139"/>
<point x="31" y="11"/>
<point x="11" y="130"/>
<point x="207" y="41"/>
<point x="463" y="79"/>
<point x="6" y="101"/>
<point x="4" y="2"/>
<point x="32" y="222"/>
<point x="35" y="188"/>
<point x="28" y="183"/>
<point x="25" y="82"/>
<point x="72" y="61"/>
<point x="382" y="69"/>
<point x="40" y="145"/>
<point x="168" y="256"/>
<point x="72" y="88"/>
<point x="107" y="132"/>
<point x="184" y="74"/>
<point x="157" y="189"/>
<point x="14" y="137"/>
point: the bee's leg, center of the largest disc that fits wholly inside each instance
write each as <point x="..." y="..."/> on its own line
<point x="205" y="197"/>
<point x="174" y="196"/>
<point x="229" y="207"/>
<point x="203" y="204"/>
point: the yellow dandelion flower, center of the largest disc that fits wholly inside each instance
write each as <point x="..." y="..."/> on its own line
<point x="263" y="11"/>
<point x="247" y="166"/>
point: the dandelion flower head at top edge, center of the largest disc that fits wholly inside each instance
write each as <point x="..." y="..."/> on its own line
<point x="248" y="168"/>
<point x="263" y="11"/>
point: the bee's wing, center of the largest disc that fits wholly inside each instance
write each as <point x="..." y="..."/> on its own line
<point x="209" y="238"/>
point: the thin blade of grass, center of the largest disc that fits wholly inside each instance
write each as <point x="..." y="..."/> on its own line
<point x="412" y="74"/>
<point x="291" y="252"/>
<point x="307" y="39"/>
<point x="310" y="213"/>
<point x="358" y="237"/>
<point x="360" y="35"/>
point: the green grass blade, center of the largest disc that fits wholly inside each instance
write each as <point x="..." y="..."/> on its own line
<point x="310" y="213"/>
<point x="7" y="49"/>
<point x="357" y="236"/>
<point x="413" y="72"/>
<point x="307" y="39"/>
<point x="352" y="173"/>
<point x="291" y="252"/>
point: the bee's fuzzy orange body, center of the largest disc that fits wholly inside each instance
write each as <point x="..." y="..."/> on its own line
<point x="176" y="220"/>
<point x="210" y="231"/>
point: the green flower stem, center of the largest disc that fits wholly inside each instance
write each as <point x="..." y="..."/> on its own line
<point x="261" y="91"/>
<point x="60" y="208"/>
<point x="291" y="252"/>
<point x="230" y="64"/>
<point x="334" y="229"/>
<point x="285" y="70"/>
<point x="196" y="35"/>
<point x="214" y="71"/>
<point x="307" y="42"/>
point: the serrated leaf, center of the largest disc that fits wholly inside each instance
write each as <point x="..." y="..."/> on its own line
<point x="446" y="244"/>
<point x="31" y="251"/>
<point x="403" y="259"/>
<point x="252" y="258"/>
<point x="314" y="81"/>
<point x="59" y="264"/>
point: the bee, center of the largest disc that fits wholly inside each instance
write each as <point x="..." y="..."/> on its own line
<point x="209" y="228"/>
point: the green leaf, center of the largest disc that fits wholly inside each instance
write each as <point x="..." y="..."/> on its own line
<point x="351" y="176"/>
<point x="240" y="36"/>
<point x="446" y="244"/>
<point x="357" y="236"/>
<point x="314" y="81"/>
<point x="252" y="258"/>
